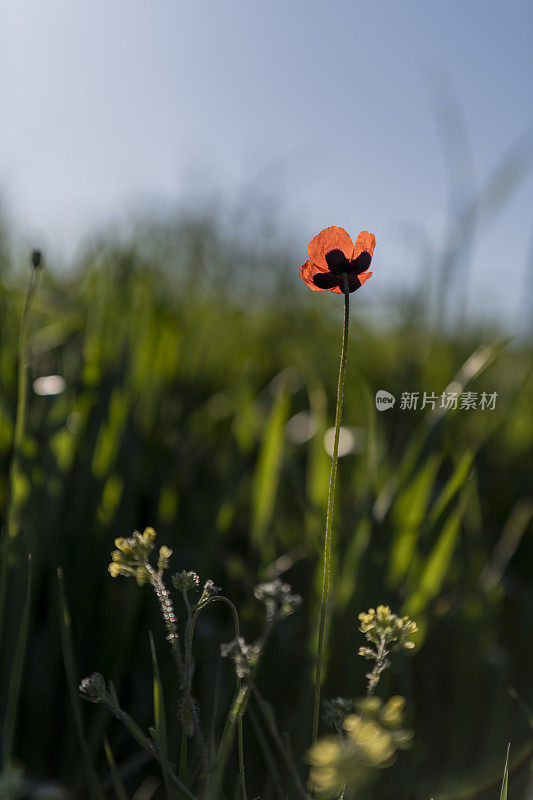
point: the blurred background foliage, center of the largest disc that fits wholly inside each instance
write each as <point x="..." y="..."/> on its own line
<point x="200" y="380"/>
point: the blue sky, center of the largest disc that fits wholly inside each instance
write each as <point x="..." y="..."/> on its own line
<point x="332" y="111"/>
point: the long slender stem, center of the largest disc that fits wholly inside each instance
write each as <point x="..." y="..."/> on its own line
<point x="326" y="576"/>
<point x="11" y="524"/>
<point x="284" y="751"/>
<point x="235" y="715"/>
<point x="236" y="626"/>
<point x="238" y="707"/>
<point x="183" y="756"/>
<point x="218" y="598"/>
<point x="167" y="611"/>
<point x="188" y="674"/>
<point x="242" y="777"/>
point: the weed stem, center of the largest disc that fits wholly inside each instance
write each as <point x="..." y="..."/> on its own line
<point x="236" y="626"/>
<point x="169" y="618"/>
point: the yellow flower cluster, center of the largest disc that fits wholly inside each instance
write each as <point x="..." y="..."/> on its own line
<point x="380" y="625"/>
<point x="372" y="737"/>
<point x="130" y="559"/>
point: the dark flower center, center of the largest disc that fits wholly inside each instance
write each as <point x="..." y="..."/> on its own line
<point x="327" y="280"/>
<point x="361" y="263"/>
<point x="338" y="263"/>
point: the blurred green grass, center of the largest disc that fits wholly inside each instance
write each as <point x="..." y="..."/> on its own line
<point x="200" y="381"/>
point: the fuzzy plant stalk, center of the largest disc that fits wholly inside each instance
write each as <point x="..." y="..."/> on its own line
<point x="167" y="612"/>
<point x="131" y="559"/>
<point x="11" y="523"/>
<point x="326" y="559"/>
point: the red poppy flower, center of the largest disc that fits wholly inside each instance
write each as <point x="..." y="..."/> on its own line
<point x="332" y="253"/>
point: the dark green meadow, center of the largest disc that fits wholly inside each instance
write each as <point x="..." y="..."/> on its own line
<point x="200" y="381"/>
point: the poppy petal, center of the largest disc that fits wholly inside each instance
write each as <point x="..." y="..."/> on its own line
<point x="307" y="273"/>
<point x="364" y="276"/>
<point x="332" y="238"/>
<point x="364" y="243"/>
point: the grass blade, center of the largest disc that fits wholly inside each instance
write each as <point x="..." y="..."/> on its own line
<point x="455" y="483"/>
<point x="118" y="783"/>
<point x="505" y="781"/>
<point x="267" y="475"/>
<point x="438" y="562"/>
<point x="15" y="681"/>
<point x="266" y="750"/>
<point x="71" y="672"/>
<point x="409" y="513"/>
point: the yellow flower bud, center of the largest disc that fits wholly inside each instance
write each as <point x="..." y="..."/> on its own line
<point x="392" y="714"/>
<point x="142" y="576"/>
<point x="148" y="535"/>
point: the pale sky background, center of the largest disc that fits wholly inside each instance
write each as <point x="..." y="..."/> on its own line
<point x="332" y="111"/>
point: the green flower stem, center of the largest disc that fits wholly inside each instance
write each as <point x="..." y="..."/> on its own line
<point x="234" y="719"/>
<point x="11" y="525"/>
<point x="220" y="599"/>
<point x="188" y="655"/>
<point x="326" y="576"/>
<point x="167" y="611"/>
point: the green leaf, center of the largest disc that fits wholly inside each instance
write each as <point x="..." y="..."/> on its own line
<point x="160" y="725"/>
<point x="438" y="562"/>
<point x="455" y="483"/>
<point x="237" y="709"/>
<point x="267" y="474"/>
<point x="409" y="512"/>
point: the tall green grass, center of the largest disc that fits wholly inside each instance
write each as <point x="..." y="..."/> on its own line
<point x="197" y="404"/>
